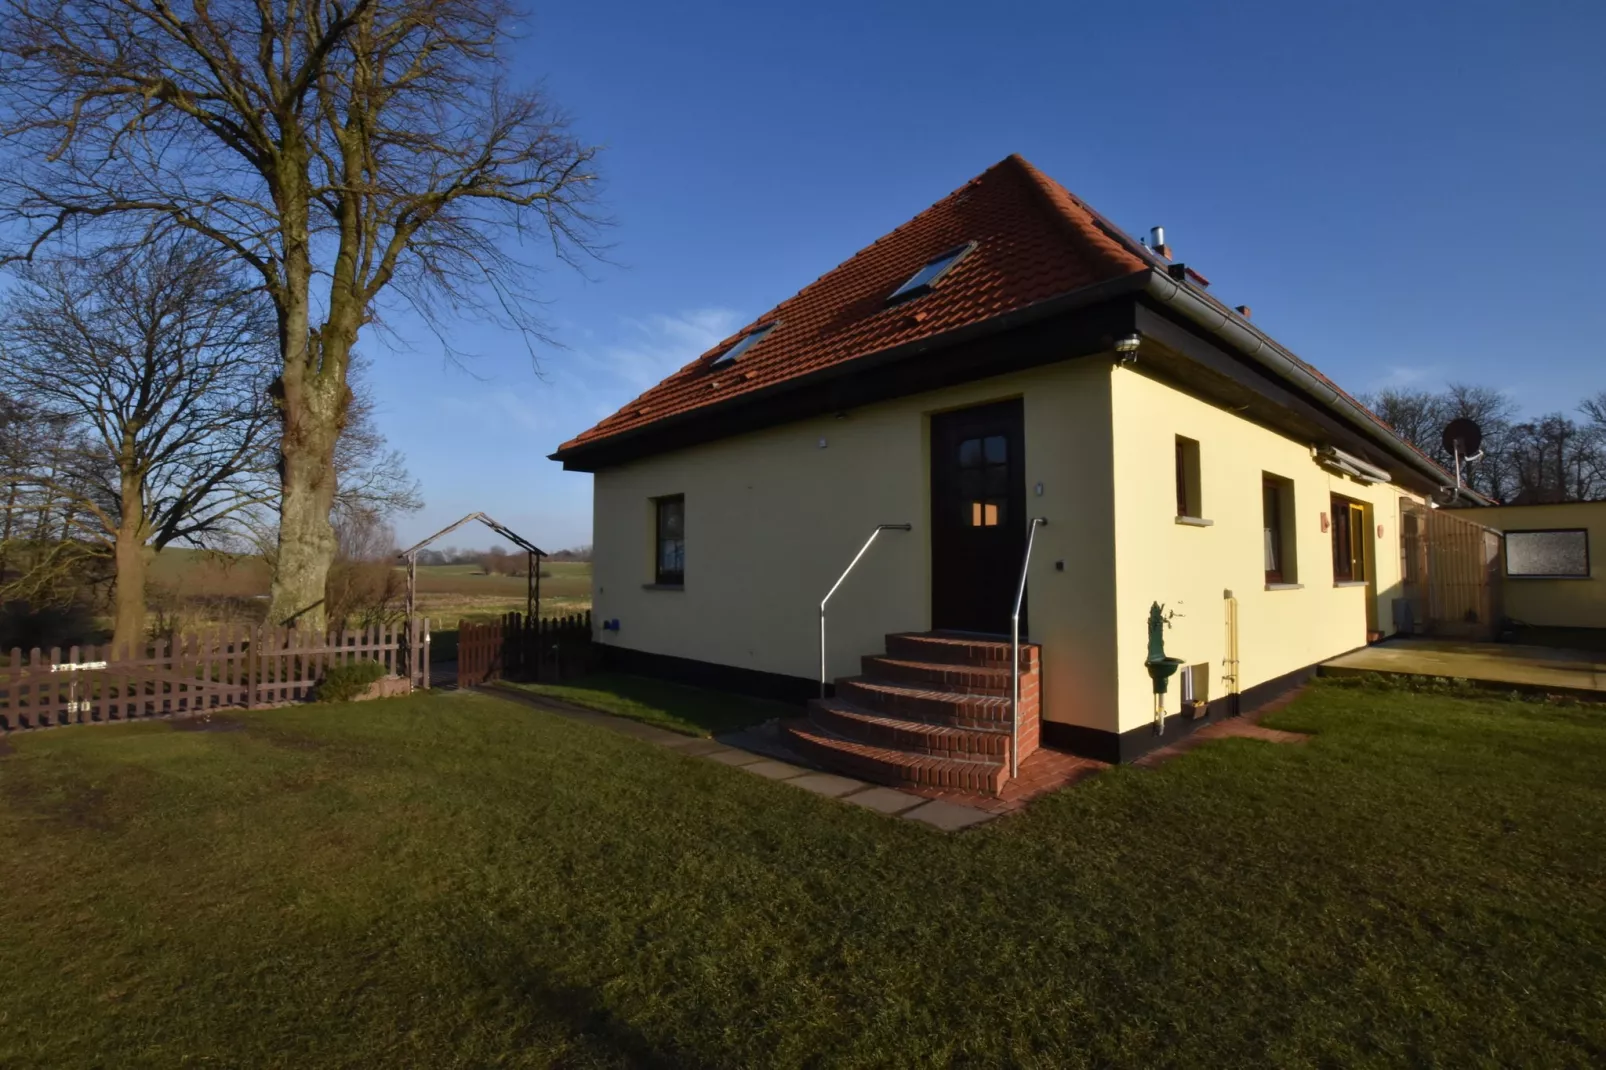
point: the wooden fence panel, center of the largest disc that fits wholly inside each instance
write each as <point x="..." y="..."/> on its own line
<point x="225" y="667"/>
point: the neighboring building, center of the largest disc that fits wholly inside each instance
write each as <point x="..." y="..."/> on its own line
<point x="963" y="375"/>
<point x="1552" y="575"/>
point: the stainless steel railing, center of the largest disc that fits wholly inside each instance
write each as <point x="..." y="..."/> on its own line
<point x="1014" y="650"/>
<point x="862" y="551"/>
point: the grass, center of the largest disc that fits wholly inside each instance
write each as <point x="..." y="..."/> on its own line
<point x="460" y="881"/>
<point x="448" y="594"/>
<point x="689" y="710"/>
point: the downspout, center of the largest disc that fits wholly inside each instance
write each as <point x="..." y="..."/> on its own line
<point x="1279" y="362"/>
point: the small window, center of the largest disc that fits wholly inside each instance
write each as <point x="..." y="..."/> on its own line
<point x="1559" y="554"/>
<point x="1276" y="502"/>
<point x="923" y="280"/>
<point x="1349" y="540"/>
<point x="984" y="480"/>
<point x="670" y="559"/>
<point x="1188" y="503"/>
<point x="746" y="342"/>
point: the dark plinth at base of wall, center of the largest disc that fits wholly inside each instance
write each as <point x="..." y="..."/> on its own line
<point x="776" y="687"/>
<point x="1116" y="747"/>
<point x="1129" y="746"/>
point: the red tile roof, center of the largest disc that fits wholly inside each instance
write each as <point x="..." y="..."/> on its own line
<point x="1034" y="241"/>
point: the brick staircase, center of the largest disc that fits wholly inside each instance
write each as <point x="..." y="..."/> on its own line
<point x="933" y="712"/>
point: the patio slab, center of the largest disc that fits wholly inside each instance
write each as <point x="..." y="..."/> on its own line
<point x="775" y="770"/>
<point x="827" y="784"/>
<point x="1547" y="670"/>
<point x="947" y="816"/>
<point x="884" y="800"/>
<point x="736" y="757"/>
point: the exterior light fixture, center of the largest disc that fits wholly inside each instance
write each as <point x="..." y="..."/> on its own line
<point x="1126" y="349"/>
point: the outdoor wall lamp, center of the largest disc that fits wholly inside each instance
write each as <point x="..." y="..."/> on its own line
<point x="1126" y="349"/>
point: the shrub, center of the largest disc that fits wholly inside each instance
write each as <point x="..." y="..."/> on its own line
<point x="342" y="683"/>
<point x="25" y="626"/>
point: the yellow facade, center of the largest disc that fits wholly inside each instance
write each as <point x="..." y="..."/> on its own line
<point x="1555" y="603"/>
<point x="1189" y="568"/>
<point x="772" y="517"/>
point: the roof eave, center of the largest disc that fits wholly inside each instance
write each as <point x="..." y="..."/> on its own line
<point x="574" y="458"/>
<point x="1259" y="348"/>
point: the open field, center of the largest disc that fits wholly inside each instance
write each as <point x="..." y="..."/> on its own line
<point x="449" y="593"/>
<point x="455" y="880"/>
<point x="230" y="587"/>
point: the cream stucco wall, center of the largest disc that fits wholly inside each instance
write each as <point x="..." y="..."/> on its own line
<point x="1566" y="603"/>
<point x="1188" y="569"/>
<point x="772" y="518"/>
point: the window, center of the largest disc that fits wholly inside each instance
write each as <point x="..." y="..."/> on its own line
<point x="746" y="342"/>
<point x="984" y="480"/>
<point x="670" y="559"/>
<point x="1349" y="541"/>
<point x="1559" y="554"/>
<point x="1188" y="503"/>
<point x="923" y="280"/>
<point x="1276" y="503"/>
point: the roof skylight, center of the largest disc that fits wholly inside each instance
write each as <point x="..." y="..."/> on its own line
<point x="923" y="280"/>
<point x="746" y="342"/>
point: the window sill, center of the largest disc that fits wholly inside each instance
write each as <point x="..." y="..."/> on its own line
<point x="1194" y="521"/>
<point x="1349" y="583"/>
<point x="663" y="587"/>
<point x="1285" y="586"/>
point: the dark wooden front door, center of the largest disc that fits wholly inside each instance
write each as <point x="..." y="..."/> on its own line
<point x="978" y="516"/>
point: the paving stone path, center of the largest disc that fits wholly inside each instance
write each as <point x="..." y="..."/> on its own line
<point x="759" y="751"/>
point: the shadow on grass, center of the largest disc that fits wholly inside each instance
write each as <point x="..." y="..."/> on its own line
<point x="591" y="1026"/>
<point x="692" y="711"/>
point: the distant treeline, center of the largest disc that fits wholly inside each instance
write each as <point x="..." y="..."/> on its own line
<point x="498" y="560"/>
<point x="1550" y="458"/>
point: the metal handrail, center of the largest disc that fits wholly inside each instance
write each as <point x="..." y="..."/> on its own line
<point x="1014" y="650"/>
<point x="862" y="550"/>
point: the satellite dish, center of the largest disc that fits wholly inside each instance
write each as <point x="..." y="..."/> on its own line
<point x="1462" y="436"/>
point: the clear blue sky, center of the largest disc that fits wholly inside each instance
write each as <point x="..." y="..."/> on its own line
<point x="1403" y="195"/>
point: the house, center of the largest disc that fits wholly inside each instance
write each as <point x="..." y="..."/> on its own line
<point x="1006" y="356"/>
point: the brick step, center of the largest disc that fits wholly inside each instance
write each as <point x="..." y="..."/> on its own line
<point x="936" y="676"/>
<point x="846" y="721"/>
<point x="957" y="648"/>
<point x="915" y="703"/>
<point x="892" y="767"/>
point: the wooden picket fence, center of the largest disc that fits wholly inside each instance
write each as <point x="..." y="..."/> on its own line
<point x="552" y="648"/>
<point x="195" y="673"/>
<point x="1451" y="572"/>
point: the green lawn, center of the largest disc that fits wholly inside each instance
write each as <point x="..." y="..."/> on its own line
<point x="689" y="710"/>
<point x="462" y="881"/>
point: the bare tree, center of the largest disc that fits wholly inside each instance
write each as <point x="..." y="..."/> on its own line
<point x="1556" y="460"/>
<point x="371" y="476"/>
<point x="1420" y="417"/>
<point x="158" y="362"/>
<point x="343" y="149"/>
<point x="365" y="586"/>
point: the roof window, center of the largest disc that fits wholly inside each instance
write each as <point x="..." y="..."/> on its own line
<point x="747" y="341"/>
<point x="922" y="281"/>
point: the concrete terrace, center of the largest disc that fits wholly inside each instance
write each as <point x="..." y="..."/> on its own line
<point x="1538" y="669"/>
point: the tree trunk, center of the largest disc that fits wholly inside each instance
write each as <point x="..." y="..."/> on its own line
<point x="314" y="410"/>
<point x="129" y="553"/>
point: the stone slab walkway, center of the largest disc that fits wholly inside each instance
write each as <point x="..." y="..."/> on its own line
<point x="759" y="751"/>
<point x="762" y="751"/>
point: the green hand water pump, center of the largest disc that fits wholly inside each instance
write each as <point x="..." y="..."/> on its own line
<point x="1161" y="668"/>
